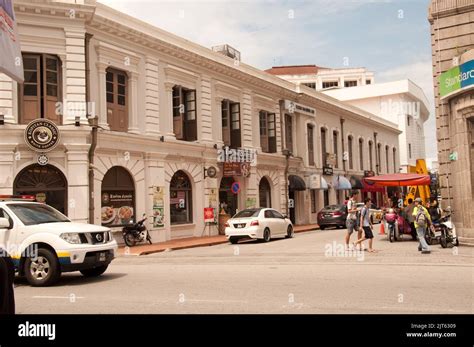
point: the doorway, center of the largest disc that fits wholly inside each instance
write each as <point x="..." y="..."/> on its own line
<point x="47" y="183"/>
<point x="227" y="200"/>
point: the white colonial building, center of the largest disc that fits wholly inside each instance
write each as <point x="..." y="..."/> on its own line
<point x="401" y="102"/>
<point x="323" y="78"/>
<point x="143" y="116"/>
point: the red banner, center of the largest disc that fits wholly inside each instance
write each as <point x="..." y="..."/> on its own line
<point x="208" y="215"/>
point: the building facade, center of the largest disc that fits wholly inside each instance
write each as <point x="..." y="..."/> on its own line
<point x="401" y="102"/>
<point x="452" y="41"/>
<point x="147" y="118"/>
<point x="323" y="78"/>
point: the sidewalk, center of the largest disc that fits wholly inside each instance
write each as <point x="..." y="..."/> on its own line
<point x="190" y="242"/>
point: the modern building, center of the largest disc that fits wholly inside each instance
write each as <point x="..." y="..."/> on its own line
<point x="401" y="102"/>
<point x="452" y="42"/>
<point x="147" y="122"/>
<point x="322" y="78"/>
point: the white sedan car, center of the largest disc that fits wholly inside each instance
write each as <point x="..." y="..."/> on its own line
<point x="258" y="223"/>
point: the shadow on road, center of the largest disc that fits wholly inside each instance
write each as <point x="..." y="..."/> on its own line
<point x="74" y="279"/>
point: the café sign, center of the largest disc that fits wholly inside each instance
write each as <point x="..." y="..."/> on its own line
<point x="42" y="135"/>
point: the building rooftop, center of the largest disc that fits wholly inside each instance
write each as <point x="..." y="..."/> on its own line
<point x="294" y="70"/>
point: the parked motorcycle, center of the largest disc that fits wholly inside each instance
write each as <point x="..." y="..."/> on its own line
<point x="135" y="233"/>
<point x="448" y="231"/>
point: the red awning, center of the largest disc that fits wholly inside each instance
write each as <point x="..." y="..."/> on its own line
<point x="372" y="187"/>
<point x="400" y="179"/>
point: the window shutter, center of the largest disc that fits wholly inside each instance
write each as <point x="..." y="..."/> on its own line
<point x="263" y="131"/>
<point x="235" y="136"/>
<point x="51" y="87"/>
<point x="31" y="89"/>
<point x="225" y="122"/>
<point x="178" y="116"/>
<point x="190" y="122"/>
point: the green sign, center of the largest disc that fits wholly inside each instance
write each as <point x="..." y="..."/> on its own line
<point x="457" y="78"/>
<point x="453" y="156"/>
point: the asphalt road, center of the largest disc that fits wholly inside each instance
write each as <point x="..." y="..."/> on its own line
<point x="307" y="274"/>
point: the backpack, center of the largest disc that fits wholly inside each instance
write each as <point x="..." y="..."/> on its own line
<point x="420" y="218"/>
<point x="359" y="214"/>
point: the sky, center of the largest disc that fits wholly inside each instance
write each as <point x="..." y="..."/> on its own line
<point x="390" y="38"/>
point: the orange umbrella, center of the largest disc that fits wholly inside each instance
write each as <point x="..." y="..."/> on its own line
<point x="400" y="179"/>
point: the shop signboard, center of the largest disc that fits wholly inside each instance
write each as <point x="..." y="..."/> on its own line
<point x="158" y="207"/>
<point x="456" y="79"/>
<point x="315" y="181"/>
<point x="232" y="169"/>
<point x="117" y="208"/>
<point x="209" y="216"/>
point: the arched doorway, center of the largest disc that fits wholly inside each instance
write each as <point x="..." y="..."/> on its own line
<point x="227" y="200"/>
<point x="181" y="206"/>
<point x="117" y="197"/>
<point x="264" y="193"/>
<point x="46" y="182"/>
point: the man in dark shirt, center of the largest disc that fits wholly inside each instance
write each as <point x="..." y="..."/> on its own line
<point x="7" y="275"/>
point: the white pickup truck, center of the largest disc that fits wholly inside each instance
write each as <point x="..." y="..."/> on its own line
<point x="43" y="242"/>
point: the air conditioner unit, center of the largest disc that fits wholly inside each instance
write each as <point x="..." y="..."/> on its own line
<point x="228" y="51"/>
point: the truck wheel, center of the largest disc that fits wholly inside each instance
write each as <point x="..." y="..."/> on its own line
<point x="44" y="270"/>
<point x="94" y="272"/>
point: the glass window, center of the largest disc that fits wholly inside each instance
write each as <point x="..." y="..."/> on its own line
<point x="251" y="212"/>
<point x="32" y="214"/>
<point x="268" y="214"/>
<point x="181" y="199"/>
<point x="277" y="214"/>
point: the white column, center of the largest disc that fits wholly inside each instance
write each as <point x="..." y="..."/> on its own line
<point x="166" y="117"/>
<point x="133" y="104"/>
<point x="102" y="96"/>
<point x="74" y="76"/>
<point x="152" y="123"/>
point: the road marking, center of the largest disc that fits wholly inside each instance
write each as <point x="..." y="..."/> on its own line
<point x="57" y="297"/>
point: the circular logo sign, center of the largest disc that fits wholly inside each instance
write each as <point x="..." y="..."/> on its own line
<point x="42" y="135"/>
<point x="211" y="171"/>
<point x="40" y="197"/>
<point x="99" y="237"/>
<point x="235" y="187"/>
<point x="43" y="159"/>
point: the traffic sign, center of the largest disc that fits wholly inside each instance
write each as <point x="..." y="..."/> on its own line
<point x="235" y="188"/>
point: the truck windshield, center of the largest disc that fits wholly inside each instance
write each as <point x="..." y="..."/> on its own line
<point x="32" y="214"/>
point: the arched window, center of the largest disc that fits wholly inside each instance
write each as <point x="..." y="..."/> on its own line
<point x="395" y="160"/>
<point x="378" y="158"/>
<point x="181" y="199"/>
<point x="361" y="154"/>
<point x="371" y="161"/>
<point x="264" y="193"/>
<point x="118" y="197"/>
<point x="387" y="159"/>
<point x="47" y="183"/>
<point x="349" y="144"/>
<point x="323" y="146"/>
<point x="335" y="148"/>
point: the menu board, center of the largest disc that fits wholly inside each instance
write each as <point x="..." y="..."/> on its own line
<point x="117" y="208"/>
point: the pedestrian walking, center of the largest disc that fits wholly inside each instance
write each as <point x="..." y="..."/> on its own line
<point x="7" y="275"/>
<point x="410" y="217"/>
<point x="422" y="222"/>
<point x="366" y="226"/>
<point x="351" y="220"/>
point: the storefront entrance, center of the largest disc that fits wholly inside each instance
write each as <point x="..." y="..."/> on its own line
<point x="46" y="183"/>
<point x="296" y="184"/>
<point x="228" y="202"/>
